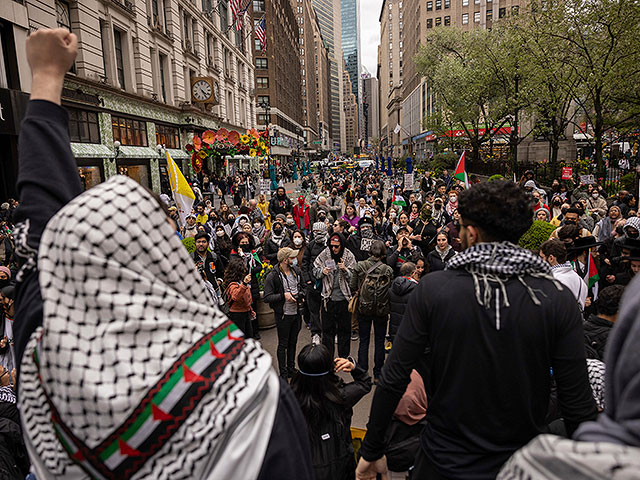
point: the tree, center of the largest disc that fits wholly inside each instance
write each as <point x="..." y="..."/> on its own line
<point x="603" y="42"/>
<point x="464" y="86"/>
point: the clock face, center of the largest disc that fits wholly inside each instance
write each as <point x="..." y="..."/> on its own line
<point x="201" y="90"/>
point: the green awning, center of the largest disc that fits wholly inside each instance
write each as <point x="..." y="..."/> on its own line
<point x="91" y="150"/>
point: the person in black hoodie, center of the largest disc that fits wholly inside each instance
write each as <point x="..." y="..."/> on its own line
<point x="276" y="239"/>
<point x="495" y="322"/>
<point x="399" y="292"/>
<point x="360" y="242"/>
<point x="327" y="405"/>
<point x="598" y="326"/>
<point x="280" y="203"/>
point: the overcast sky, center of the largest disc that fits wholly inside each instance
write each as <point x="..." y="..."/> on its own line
<point x="370" y="33"/>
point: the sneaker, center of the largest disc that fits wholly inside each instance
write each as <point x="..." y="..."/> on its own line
<point x="315" y="339"/>
<point x="354" y="336"/>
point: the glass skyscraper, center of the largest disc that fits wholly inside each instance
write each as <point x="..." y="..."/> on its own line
<point x="350" y="10"/>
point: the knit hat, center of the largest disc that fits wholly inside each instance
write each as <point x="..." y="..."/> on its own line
<point x="319" y="227"/>
<point x="365" y="220"/>
<point x="281" y="217"/>
<point x="286" y="252"/>
<point x="5" y="270"/>
<point x="541" y="209"/>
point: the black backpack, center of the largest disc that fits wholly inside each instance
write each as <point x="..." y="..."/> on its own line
<point x="374" y="293"/>
<point x="332" y="449"/>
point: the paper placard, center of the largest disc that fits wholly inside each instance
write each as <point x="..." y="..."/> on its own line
<point x="408" y="181"/>
<point x="587" y="179"/>
<point x="567" y="173"/>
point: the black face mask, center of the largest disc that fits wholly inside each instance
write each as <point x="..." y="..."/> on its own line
<point x="570" y="222"/>
<point x="4" y="283"/>
<point x="277" y="231"/>
<point x="633" y="234"/>
<point x="557" y="203"/>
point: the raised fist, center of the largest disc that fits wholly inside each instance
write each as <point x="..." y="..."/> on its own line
<point x="51" y="52"/>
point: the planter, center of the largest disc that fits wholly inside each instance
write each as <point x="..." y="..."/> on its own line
<point x="266" y="317"/>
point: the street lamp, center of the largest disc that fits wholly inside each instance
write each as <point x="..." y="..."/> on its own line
<point x="267" y="119"/>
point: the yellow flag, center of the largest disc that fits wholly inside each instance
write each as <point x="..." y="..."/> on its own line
<point x="182" y="193"/>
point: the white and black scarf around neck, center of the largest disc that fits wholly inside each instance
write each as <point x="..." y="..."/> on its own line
<point x="496" y="262"/>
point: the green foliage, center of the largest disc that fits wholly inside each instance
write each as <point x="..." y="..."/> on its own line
<point x="537" y="234"/>
<point x="190" y="244"/>
<point x="496" y="177"/>
<point x="627" y="181"/>
<point x="442" y="161"/>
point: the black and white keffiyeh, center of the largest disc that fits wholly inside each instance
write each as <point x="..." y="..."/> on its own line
<point x="135" y="373"/>
<point x="495" y="262"/>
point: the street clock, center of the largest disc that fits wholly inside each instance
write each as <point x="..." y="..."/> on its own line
<point x="204" y="90"/>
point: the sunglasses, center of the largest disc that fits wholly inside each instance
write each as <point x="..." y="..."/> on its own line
<point x="335" y="246"/>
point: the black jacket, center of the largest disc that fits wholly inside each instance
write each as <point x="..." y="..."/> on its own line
<point x="279" y="205"/>
<point x="399" y="293"/>
<point x="428" y="231"/>
<point x="490" y="383"/>
<point x="211" y="265"/>
<point x="396" y="257"/>
<point x="274" y="289"/>
<point x="271" y="248"/>
<point x="435" y="261"/>
<point x="359" y="246"/>
<point x="596" y="333"/>
<point x="310" y="254"/>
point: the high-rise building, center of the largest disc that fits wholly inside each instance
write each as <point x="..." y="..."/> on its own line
<point x="330" y="26"/>
<point x="323" y="91"/>
<point x="130" y="82"/>
<point x="279" y="76"/>
<point x="390" y="75"/>
<point x="351" y="112"/>
<point x="351" y="49"/>
<point x="370" y="109"/>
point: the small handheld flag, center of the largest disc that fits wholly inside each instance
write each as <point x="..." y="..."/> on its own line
<point x="461" y="173"/>
<point x="182" y="193"/>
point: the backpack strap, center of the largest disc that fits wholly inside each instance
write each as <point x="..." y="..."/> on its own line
<point x="375" y="265"/>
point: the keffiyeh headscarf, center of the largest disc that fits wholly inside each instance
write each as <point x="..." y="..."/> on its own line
<point x="496" y="262"/>
<point x="135" y="373"/>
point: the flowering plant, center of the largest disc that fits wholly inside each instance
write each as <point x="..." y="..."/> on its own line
<point x="266" y="268"/>
<point x="215" y="144"/>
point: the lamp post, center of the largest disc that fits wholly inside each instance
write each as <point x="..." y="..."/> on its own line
<point x="267" y="119"/>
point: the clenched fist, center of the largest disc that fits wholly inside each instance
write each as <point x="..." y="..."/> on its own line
<point x="50" y="54"/>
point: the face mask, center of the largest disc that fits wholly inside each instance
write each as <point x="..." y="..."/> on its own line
<point x="569" y="222"/>
<point x="556" y="203"/>
<point x="366" y="233"/>
<point x="632" y="234"/>
<point x="277" y="230"/>
<point x="437" y="206"/>
<point x="289" y="221"/>
<point x="297" y="241"/>
<point x="453" y="198"/>
<point x="392" y="216"/>
<point x="595" y="194"/>
<point x="322" y="218"/>
<point x="220" y="233"/>
<point x="257" y="225"/>
<point x="294" y="262"/>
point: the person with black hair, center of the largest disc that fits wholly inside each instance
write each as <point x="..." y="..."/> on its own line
<point x="402" y="286"/>
<point x="598" y="326"/>
<point x="405" y="251"/>
<point x="244" y="247"/>
<point x="360" y="242"/>
<point x="275" y="240"/>
<point x="327" y="405"/>
<point x="443" y="252"/>
<point x="554" y="253"/>
<point x="207" y="262"/>
<point x="512" y="326"/>
<point x="571" y="217"/>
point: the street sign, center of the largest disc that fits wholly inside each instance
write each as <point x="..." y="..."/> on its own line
<point x="567" y="173"/>
<point x="317" y="142"/>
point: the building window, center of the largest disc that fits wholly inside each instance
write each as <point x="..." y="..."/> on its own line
<point x="465" y="3"/>
<point x="262" y="82"/>
<point x="167" y="136"/>
<point x="476" y="17"/>
<point x="429" y="6"/>
<point x="438" y="4"/>
<point x="129" y="132"/>
<point x="515" y="9"/>
<point x="465" y="19"/>
<point x="502" y="12"/>
<point x="257" y="46"/>
<point x="83" y="126"/>
<point x="447" y="3"/>
<point x="262" y="100"/>
<point x="162" y="59"/>
<point x="489" y="15"/>
<point x="63" y="18"/>
<point x="262" y="118"/>
<point x="258" y="5"/>
<point x="447" y="21"/>
<point x="438" y="21"/>
<point x="429" y="22"/>
<point x="261" y="63"/>
<point x="117" y="40"/>
<point x="223" y="13"/>
<point x="390" y="6"/>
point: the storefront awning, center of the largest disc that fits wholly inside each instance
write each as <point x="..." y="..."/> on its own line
<point x="177" y="153"/>
<point x="91" y="150"/>
<point x="582" y="136"/>
<point x="137" y="152"/>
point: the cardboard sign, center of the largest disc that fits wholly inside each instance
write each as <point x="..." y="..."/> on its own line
<point x="265" y="186"/>
<point x="587" y="179"/>
<point x="567" y="173"/>
<point x="408" y="181"/>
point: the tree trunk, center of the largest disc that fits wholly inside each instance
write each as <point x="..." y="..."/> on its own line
<point x="598" y="133"/>
<point x="475" y="151"/>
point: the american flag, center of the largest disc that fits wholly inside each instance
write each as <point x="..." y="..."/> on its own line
<point x="237" y="15"/>
<point x="262" y="34"/>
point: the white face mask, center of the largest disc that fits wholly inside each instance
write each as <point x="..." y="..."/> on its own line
<point x="289" y="221"/>
<point x="257" y="225"/>
<point x="220" y="233"/>
<point x="297" y="241"/>
<point x="594" y="194"/>
<point x="453" y="198"/>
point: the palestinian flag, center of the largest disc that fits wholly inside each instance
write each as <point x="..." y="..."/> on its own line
<point x="398" y="200"/>
<point x="593" y="277"/>
<point x="461" y="173"/>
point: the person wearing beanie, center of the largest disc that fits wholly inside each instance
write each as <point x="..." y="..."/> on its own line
<point x="360" y="241"/>
<point x="283" y="291"/>
<point x="541" y="214"/>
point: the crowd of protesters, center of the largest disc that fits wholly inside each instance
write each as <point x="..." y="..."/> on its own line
<point x="134" y="358"/>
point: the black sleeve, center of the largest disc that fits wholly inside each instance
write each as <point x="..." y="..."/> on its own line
<point x="47" y="180"/>
<point x="409" y="346"/>
<point x="272" y="296"/>
<point x="306" y="265"/>
<point x="392" y="257"/>
<point x="352" y="392"/>
<point x="269" y="253"/>
<point x="570" y="372"/>
<point x="288" y="453"/>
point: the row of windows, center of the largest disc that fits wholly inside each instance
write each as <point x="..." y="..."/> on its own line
<point x="447" y="4"/>
<point x="438" y="22"/>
